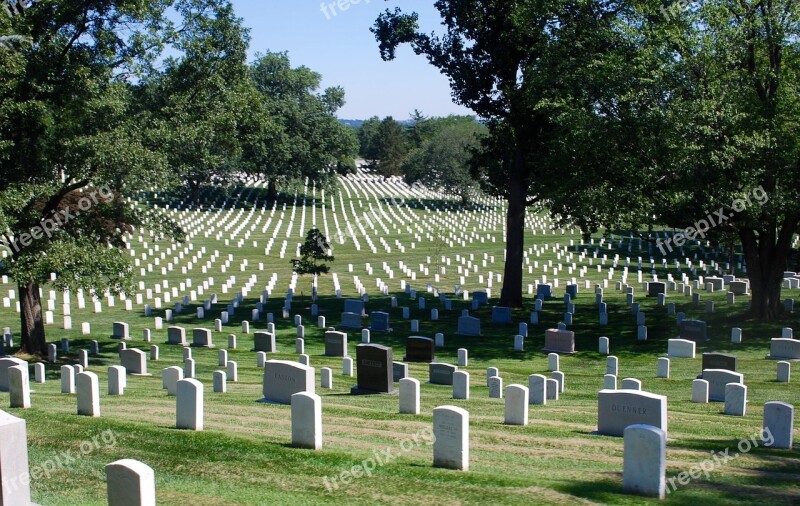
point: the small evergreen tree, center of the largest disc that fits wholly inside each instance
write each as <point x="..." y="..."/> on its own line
<point x="313" y="254"/>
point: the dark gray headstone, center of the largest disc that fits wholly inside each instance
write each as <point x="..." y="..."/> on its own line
<point x="501" y="315"/>
<point x="719" y="361"/>
<point x="441" y="373"/>
<point x="375" y="370"/>
<point x="419" y="349"/>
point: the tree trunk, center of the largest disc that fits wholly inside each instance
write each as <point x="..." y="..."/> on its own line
<point x="766" y="257"/>
<point x="272" y="193"/>
<point x="511" y="294"/>
<point x="33" y="338"/>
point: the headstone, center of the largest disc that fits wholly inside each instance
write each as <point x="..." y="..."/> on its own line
<point x="645" y="460"/>
<point x="374" y="370"/>
<point x="130" y="483"/>
<point x="19" y="387"/>
<point x="461" y="385"/>
<point x="502" y="315"/>
<point x="326" y="377"/>
<point x="778" y="424"/>
<point x="735" y="399"/>
<point x="261" y="359"/>
<point x="176" y="335"/>
<point x="88" y="389"/>
<point x="717" y="379"/>
<point x="516" y="408"/>
<point x="220" y="382"/>
<point x="264" y="341"/>
<point x="609" y="382"/>
<point x="618" y="409"/>
<point x="694" y="330"/>
<point x="347" y="366"/>
<point x="134" y="361"/>
<point x="603" y="346"/>
<point x="189" y="405"/>
<point x="561" y="378"/>
<point x="282" y="379"/>
<point x="552" y="389"/>
<point x="419" y="349"/>
<point x="351" y="321"/>
<point x="232" y="369"/>
<point x="559" y="341"/>
<point x="121" y="331"/>
<point x="306" y="420"/>
<point x="440" y="373"/>
<point x="202" y="338"/>
<point x="630" y="384"/>
<point x="463" y="357"/>
<point x="335" y="344"/>
<point x="170" y="377"/>
<point x="189" y="368"/>
<point x="14" y="462"/>
<point x="612" y="365"/>
<point x="409" y="396"/>
<point x="784" y="372"/>
<point x="553" y="362"/>
<point x="451" y="438"/>
<point x="354" y="306"/>
<point x="681" y="348"/>
<point x="5" y="364"/>
<point x="784" y="349"/>
<point x="117" y="380"/>
<point x="654" y="289"/>
<point x="736" y="335"/>
<point x="537" y="389"/>
<point x="399" y="371"/>
<point x="663" y="367"/>
<point x="67" y="379"/>
<point x="700" y="391"/>
<point x="495" y="387"/>
<point x="719" y="361"/>
<point x="39" y="375"/>
<point x="469" y="326"/>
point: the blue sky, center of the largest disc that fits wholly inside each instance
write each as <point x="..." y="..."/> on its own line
<point x="340" y="46"/>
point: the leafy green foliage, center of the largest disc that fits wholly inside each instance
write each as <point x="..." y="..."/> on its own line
<point x="313" y="254"/>
<point x="443" y="157"/>
<point x="383" y="145"/>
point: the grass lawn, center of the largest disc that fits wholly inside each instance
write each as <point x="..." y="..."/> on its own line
<point x="244" y="454"/>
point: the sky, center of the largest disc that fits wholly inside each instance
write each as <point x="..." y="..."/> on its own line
<point x="337" y="43"/>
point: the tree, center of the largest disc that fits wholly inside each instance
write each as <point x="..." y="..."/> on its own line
<point x="383" y="146"/>
<point x="202" y="98"/>
<point x="313" y="253"/>
<point x="72" y="139"/>
<point x="712" y="137"/>
<point x="310" y="141"/>
<point x="443" y="161"/>
<point x="520" y="65"/>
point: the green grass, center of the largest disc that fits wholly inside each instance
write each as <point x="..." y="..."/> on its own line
<point x="244" y="455"/>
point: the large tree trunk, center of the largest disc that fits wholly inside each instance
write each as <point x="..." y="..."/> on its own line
<point x="511" y="294"/>
<point x="272" y="193"/>
<point x="33" y="338"/>
<point x="766" y="257"/>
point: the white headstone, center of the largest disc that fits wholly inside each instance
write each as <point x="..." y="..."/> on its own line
<point x="130" y="483"/>
<point x="645" y="461"/>
<point x="88" y="389"/>
<point x="409" y="395"/>
<point x="451" y="438"/>
<point x="306" y="420"/>
<point x="516" y="408"/>
<point x="189" y="405"/>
